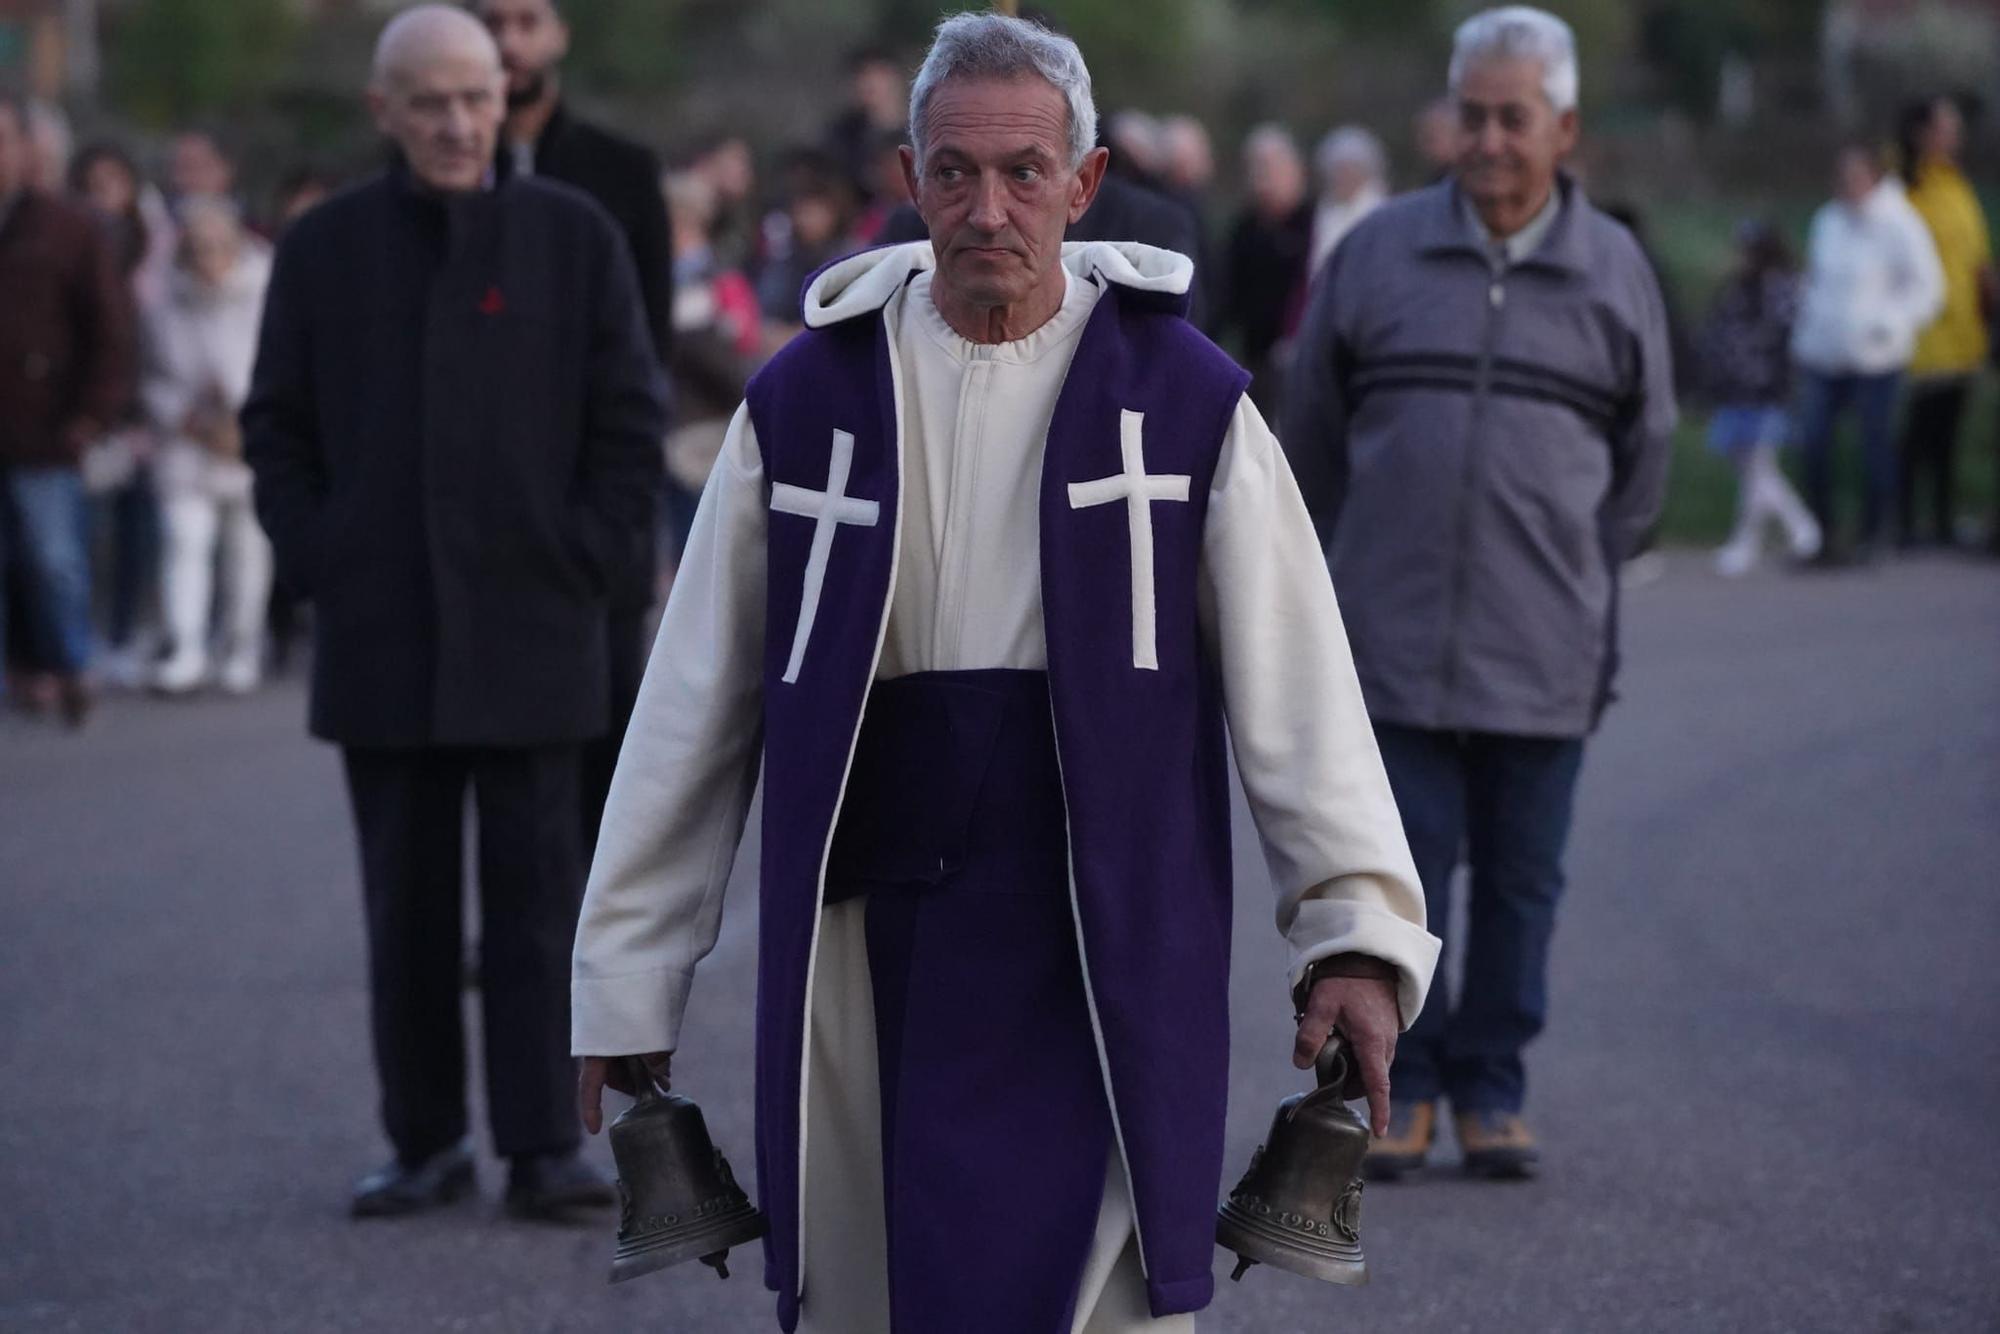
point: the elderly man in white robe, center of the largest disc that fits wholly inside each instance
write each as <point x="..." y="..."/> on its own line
<point x="993" y="552"/>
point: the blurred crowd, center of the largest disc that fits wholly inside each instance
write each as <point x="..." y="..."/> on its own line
<point x="131" y="556"/>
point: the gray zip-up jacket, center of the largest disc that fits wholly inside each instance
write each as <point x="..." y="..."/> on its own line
<point x="1481" y="445"/>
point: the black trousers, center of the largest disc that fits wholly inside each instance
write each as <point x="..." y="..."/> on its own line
<point x="1929" y="454"/>
<point x="409" y="810"/>
<point x="600" y="755"/>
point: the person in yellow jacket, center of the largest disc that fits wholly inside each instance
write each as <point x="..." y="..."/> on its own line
<point x="1951" y="350"/>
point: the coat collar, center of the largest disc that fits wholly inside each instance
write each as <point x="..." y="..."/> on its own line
<point x="862" y="284"/>
<point x="1441" y="228"/>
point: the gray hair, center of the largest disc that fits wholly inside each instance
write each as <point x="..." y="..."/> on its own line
<point x="1274" y="138"/>
<point x="1520" y="32"/>
<point x="995" y="46"/>
<point x="1352" y="143"/>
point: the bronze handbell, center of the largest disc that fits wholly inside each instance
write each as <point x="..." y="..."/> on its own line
<point x="677" y="1198"/>
<point x="1299" y="1205"/>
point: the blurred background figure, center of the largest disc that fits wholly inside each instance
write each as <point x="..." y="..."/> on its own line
<point x="1435" y="131"/>
<point x="1138" y="148"/>
<point x="1189" y="159"/>
<point x="199" y="346"/>
<point x="542" y="137"/>
<point x="1872" y="282"/>
<point x="66" y="367"/>
<point x="1353" y="175"/>
<point x="718" y="344"/>
<point x="728" y="168"/>
<point x="118" y="468"/>
<point x="1950" y="351"/>
<point x="878" y="95"/>
<point x="1746" y="366"/>
<point x="198" y="168"/>
<point x="1485" y="378"/>
<point x="299" y="189"/>
<point x="814" y="229"/>
<point x="1265" y="266"/>
<point x="888" y="189"/>
<point x="456" y="446"/>
<point x="49" y="144"/>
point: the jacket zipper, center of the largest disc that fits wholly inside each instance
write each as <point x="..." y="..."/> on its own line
<point x="1496" y="301"/>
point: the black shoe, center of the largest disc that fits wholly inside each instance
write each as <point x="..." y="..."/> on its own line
<point x="396" y="1189"/>
<point x="549" y="1185"/>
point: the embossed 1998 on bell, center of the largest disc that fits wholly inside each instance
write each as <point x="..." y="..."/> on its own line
<point x="677" y="1198"/>
<point x="1299" y="1205"/>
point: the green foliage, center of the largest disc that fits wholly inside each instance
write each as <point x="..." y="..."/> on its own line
<point x="621" y="46"/>
<point x="175" y="59"/>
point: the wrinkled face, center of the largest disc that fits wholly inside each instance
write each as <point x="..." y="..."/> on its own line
<point x="533" y="39"/>
<point x="1276" y="177"/>
<point x="195" y="166"/>
<point x="13" y="150"/>
<point x="443" y="107"/>
<point x="1510" y="139"/>
<point x="1855" y="176"/>
<point x="997" y="188"/>
<point x="209" y="245"/>
<point x="109" y="187"/>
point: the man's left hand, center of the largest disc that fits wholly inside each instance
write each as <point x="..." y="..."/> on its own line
<point x="1363" y="1009"/>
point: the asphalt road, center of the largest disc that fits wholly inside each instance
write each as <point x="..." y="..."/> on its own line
<point x="1769" y="1094"/>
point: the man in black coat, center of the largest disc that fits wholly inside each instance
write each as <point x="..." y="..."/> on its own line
<point x="455" y="423"/>
<point x="542" y="138"/>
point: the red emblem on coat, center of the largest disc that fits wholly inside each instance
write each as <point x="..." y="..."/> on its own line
<point x="492" y="303"/>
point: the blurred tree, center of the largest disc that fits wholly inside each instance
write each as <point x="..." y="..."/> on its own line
<point x="1687" y="41"/>
<point x="170" y="60"/>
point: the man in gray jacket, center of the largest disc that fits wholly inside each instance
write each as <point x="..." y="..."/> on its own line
<point x="1480" y="418"/>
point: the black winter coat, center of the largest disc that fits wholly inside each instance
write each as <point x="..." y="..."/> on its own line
<point x="624" y="178"/>
<point x="455" y="424"/>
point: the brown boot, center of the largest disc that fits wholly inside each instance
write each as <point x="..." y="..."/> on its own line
<point x="1412" y="1127"/>
<point x="1496" y="1145"/>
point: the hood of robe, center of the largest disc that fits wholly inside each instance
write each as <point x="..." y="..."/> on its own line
<point x="862" y="284"/>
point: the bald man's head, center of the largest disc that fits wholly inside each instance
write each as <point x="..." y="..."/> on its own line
<point x="437" y="90"/>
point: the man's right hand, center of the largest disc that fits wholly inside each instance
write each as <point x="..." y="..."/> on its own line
<point x="599" y="1071"/>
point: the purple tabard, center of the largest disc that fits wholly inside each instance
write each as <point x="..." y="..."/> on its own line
<point x="995" y="1129"/>
<point x="1142" y="760"/>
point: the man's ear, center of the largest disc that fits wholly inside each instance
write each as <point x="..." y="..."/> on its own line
<point x="908" y="156"/>
<point x="1569" y="129"/>
<point x="1089" y="176"/>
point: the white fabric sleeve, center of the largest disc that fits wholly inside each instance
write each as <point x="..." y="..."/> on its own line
<point x="678" y="800"/>
<point x="1304" y="746"/>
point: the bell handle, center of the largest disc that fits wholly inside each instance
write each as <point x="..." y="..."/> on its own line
<point x="645" y="1084"/>
<point x="1330" y="1068"/>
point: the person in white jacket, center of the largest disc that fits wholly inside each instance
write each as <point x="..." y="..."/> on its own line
<point x="1873" y="282"/>
<point x="200" y="342"/>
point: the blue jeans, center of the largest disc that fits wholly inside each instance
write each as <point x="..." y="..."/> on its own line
<point x="1873" y="397"/>
<point x="44" y="527"/>
<point x="1502" y="805"/>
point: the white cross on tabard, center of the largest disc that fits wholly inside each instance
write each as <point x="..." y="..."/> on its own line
<point x="1138" y="490"/>
<point x="828" y="509"/>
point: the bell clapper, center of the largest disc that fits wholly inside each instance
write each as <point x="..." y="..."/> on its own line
<point x="1243" y="1263"/>
<point x="719" y="1262"/>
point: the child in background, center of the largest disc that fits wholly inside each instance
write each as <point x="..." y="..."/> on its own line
<point x="1746" y="365"/>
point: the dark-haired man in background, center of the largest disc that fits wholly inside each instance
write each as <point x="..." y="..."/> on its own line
<point x="542" y="137"/>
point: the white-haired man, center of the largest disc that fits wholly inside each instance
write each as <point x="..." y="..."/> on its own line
<point x="992" y="553"/>
<point x="454" y="424"/>
<point x="1480" y="415"/>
